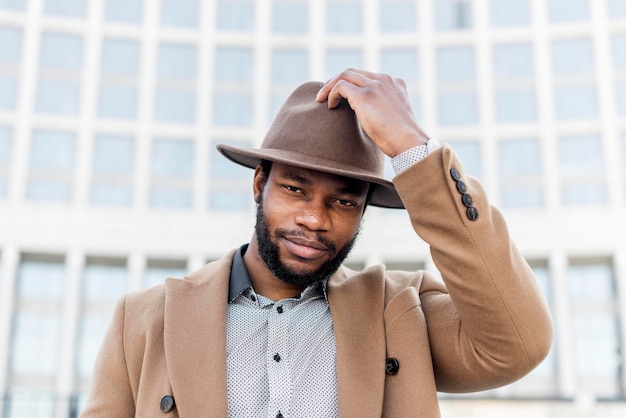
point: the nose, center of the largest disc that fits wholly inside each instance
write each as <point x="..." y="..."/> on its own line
<point x="313" y="216"/>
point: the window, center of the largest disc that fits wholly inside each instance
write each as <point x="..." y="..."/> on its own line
<point x="29" y="403"/>
<point x="568" y="10"/>
<point x="290" y="68"/>
<point x="338" y="60"/>
<point x="520" y="173"/>
<point x="112" y="170"/>
<point x="457" y="100"/>
<point x="119" y="79"/>
<point x="6" y="145"/>
<point x="514" y="83"/>
<point x="104" y="282"/>
<point x="179" y="13"/>
<point x="13" y="4"/>
<point x="229" y="182"/>
<point x="176" y="83"/>
<point x="67" y="8"/>
<point x="469" y="151"/>
<point x="159" y="270"/>
<point x="60" y="64"/>
<point x="510" y="13"/>
<point x="453" y="14"/>
<point x="233" y="89"/>
<point x="125" y="11"/>
<point x="10" y="57"/>
<point x="171" y="174"/>
<point x="403" y="63"/>
<point x="616" y="8"/>
<point x="573" y="68"/>
<point x="595" y="331"/>
<point x="582" y="170"/>
<point x="344" y="17"/>
<point x="235" y="15"/>
<point x="623" y="148"/>
<point x="37" y="332"/>
<point x="397" y="16"/>
<point x="619" y="64"/>
<point x="52" y="159"/>
<point x="290" y="17"/>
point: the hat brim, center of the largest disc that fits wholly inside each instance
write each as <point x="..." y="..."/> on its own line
<point x="383" y="195"/>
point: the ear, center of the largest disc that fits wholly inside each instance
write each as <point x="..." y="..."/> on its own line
<point x="258" y="184"/>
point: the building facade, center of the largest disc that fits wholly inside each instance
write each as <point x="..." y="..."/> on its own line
<point x="110" y="111"/>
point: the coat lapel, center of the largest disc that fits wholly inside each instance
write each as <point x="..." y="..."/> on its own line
<point x="195" y="339"/>
<point x="357" y="305"/>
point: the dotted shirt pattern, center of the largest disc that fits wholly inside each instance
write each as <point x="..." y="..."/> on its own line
<point x="281" y="356"/>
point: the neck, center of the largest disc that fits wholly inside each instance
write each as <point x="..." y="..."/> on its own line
<point x="263" y="281"/>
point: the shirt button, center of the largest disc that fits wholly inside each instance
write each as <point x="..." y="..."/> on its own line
<point x="279" y="309"/>
<point x="279" y="415"/>
<point x="276" y="357"/>
<point x="253" y="298"/>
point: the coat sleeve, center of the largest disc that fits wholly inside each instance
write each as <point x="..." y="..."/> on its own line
<point x="110" y="393"/>
<point x="493" y="326"/>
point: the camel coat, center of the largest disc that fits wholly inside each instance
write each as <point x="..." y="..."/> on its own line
<point x="486" y="327"/>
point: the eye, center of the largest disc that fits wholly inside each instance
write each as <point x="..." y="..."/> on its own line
<point x="346" y="203"/>
<point x="292" y="189"/>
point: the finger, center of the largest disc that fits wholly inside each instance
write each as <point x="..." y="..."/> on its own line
<point x="352" y="75"/>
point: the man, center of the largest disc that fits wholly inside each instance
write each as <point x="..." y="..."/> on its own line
<point x="278" y="328"/>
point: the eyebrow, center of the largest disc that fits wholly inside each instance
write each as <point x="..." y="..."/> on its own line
<point x="352" y="189"/>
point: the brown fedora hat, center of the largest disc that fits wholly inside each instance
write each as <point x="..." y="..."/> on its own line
<point x="307" y="134"/>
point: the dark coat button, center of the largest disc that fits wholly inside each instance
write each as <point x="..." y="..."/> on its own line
<point x="167" y="403"/>
<point x="468" y="200"/>
<point x="472" y="213"/>
<point x="461" y="187"/>
<point x="455" y="174"/>
<point x="392" y="366"/>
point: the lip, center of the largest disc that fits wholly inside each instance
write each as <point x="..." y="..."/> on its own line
<point x="305" y="248"/>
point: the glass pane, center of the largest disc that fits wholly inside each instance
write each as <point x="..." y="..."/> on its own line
<point x="70" y="8"/>
<point x="344" y="16"/>
<point x="157" y="275"/>
<point x="290" y="66"/>
<point x="41" y="281"/>
<point x="513" y="61"/>
<point x="621" y="97"/>
<point x="127" y="11"/>
<point x="120" y="57"/>
<point x="8" y="91"/>
<point x="515" y="105"/>
<point x="172" y="158"/>
<point x="52" y="150"/>
<point x="91" y="330"/>
<point x="170" y="197"/>
<point x="177" y="61"/>
<point x="581" y="166"/>
<point x="590" y="283"/>
<point x="179" y="13"/>
<point x="519" y="157"/>
<point x="13" y="4"/>
<point x="572" y="56"/>
<point x="117" y="100"/>
<point x="576" y="102"/>
<point x="456" y="64"/>
<point x="235" y="15"/>
<point x="457" y="108"/>
<point x="113" y="154"/>
<point x="290" y="16"/>
<point x="6" y="139"/>
<point x="61" y="51"/>
<point x="36" y="343"/>
<point x="222" y="169"/>
<point x="510" y="13"/>
<point x="619" y="50"/>
<point x="568" y="10"/>
<point x="617" y="8"/>
<point x="401" y="63"/>
<point x="397" y="16"/>
<point x="230" y="200"/>
<point x="234" y="64"/>
<point x="57" y="96"/>
<point x="175" y="105"/>
<point x="235" y="109"/>
<point x="10" y="45"/>
<point x="338" y="60"/>
<point x="104" y="283"/>
<point x="30" y="403"/>
<point x="453" y="14"/>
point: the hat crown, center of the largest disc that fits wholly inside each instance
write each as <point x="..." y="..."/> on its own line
<point x="331" y="136"/>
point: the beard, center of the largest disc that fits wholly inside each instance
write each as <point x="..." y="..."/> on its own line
<point x="269" y="253"/>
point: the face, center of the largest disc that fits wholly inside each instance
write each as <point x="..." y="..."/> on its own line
<point x="307" y="221"/>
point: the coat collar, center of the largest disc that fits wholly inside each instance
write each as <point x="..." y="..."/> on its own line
<point x="195" y="339"/>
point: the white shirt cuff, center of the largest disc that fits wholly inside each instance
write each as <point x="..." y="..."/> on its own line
<point x="411" y="156"/>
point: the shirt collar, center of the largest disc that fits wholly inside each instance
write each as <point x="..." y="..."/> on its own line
<point x="240" y="279"/>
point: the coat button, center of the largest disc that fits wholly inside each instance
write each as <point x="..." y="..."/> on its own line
<point x="472" y="213"/>
<point x="461" y="187"/>
<point x="391" y="366"/>
<point x="167" y="403"/>
<point x="467" y="200"/>
<point x="455" y="174"/>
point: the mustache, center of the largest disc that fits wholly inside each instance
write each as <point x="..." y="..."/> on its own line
<point x="282" y="232"/>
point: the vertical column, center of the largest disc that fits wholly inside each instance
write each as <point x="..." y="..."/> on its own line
<point x="8" y="282"/>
